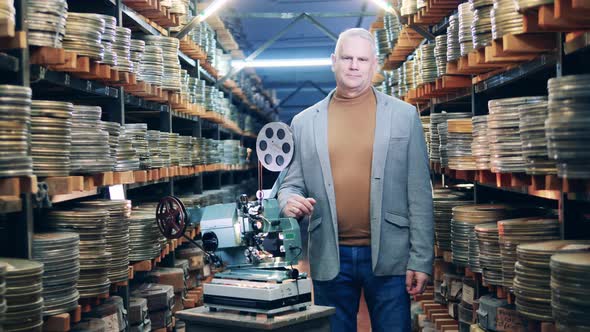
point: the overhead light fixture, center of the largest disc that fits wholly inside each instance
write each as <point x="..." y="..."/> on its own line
<point x="388" y="7"/>
<point x="385" y="6"/>
<point x="211" y="9"/>
<point x="279" y="63"/>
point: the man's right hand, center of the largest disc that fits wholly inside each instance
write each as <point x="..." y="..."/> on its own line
<point x="298" y="206"/>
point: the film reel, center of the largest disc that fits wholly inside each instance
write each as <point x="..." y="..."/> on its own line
<point x="171" y="217"/>
<point x="274" y="146"/>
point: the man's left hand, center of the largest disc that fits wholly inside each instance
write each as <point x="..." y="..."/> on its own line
<point x="415" y="282"/>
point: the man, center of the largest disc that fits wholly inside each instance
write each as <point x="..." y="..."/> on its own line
<point x="360" y="173"/>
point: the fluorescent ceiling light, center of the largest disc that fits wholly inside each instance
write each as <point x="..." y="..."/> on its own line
<point x="384" y="5"/>
<point x="212" y="8"/>
<point x="282" y="63"/>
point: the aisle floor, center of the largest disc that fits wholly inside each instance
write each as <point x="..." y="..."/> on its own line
<point x="363" y="320"/>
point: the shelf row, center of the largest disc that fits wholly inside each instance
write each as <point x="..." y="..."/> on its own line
<point x="82" y="74"/>
<point x="64" y="321"/>
<point x="457" y="88"/>
<point x="484" y="72"/>
<point x="449" y="310"/>
<point x="506" y="59"/>
<point x="560" y="16"/>
<point x="65" y="188"/>
<point x="544" y="186"/>
<point x="192" y="55"/>
<point x="140" y="96"/>
<point x="169" y="248"/>
<point x="226" y="40"/>
<point x="153" y="13"/>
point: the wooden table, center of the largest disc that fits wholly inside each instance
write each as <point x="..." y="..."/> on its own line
<point x="313" y="319"/>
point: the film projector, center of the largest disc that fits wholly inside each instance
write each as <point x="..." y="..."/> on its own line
<point x="257" y="247"/>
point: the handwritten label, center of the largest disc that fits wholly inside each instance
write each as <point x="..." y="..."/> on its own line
<point x="111" y="323"/>
<point x="468" y="294"/>
<point x="509" y="320"/>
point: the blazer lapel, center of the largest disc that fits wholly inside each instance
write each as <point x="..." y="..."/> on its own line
<point x="320" y="129"/>
<point x="380" y="148"/>
<point x="381" y="139"/>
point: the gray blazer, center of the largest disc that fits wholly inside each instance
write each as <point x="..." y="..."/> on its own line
<point x="401" y="193"/>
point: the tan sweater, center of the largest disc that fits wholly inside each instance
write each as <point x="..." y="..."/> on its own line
<point x="351" y="131"/>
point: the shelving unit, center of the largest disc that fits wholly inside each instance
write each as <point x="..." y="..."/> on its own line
<point x="528" y="78"/>
<point x="24" y="199"/>
<point x="47" y="81"/>
<point x="556" y="42"/>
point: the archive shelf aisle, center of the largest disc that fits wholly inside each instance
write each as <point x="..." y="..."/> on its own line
<point x="59" y="75"/>
<point x="553" y="42"/>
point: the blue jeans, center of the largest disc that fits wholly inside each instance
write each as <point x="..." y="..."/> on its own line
<point x="386" y="297"/>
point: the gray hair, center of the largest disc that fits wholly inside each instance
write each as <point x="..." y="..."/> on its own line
<point x="356" y="32"/>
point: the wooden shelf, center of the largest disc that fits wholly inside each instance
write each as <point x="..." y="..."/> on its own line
<point x="11" y="190"/>
<point x="577" y="41"/>
<point x="59" y="62"/>
<point x="15" y="186"/>
<point x="407" y="43"/>
<point x="434" y="12"/>
<point x="66" y="188"/>
<point x="154" y="12"/>
<point x="457" y="82"/>
<point x="62" y="322"/>
<point x="225" y="38"/>
<point x="543" y="186"/>
<point x="169" y="248"/>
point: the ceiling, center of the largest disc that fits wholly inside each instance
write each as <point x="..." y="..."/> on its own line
<point x="302" y="40"/>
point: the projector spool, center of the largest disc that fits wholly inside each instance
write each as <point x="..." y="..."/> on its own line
<point x="274" y="146"/>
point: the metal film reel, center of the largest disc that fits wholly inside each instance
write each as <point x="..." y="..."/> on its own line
<point x="274" y="146"/>
<point x="171" y="217"/>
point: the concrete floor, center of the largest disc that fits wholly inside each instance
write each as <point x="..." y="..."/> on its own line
<point x="363" y="320"/>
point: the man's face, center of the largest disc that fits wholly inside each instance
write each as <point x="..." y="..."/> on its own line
<point x="354" y="65"/>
